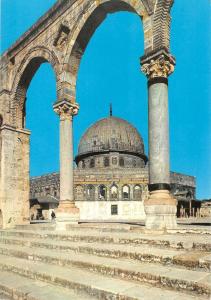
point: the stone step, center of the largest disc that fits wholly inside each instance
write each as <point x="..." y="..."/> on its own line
<point x="194" y="242"/>
<point x="159" y="275"/>
<point x="187" y="259"/>
<point x="116" y="227"/>
<point x="14" y="286"/>
<point x="95" y="285"/>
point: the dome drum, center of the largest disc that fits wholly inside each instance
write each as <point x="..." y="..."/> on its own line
<point x="111" y="159"/>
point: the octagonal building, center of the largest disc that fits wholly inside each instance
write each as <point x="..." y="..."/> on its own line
<point x="110" y="176"/>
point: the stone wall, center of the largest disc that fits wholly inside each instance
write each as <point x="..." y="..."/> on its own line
<point x="14" y="195"/>
<point x="183" y="183"/>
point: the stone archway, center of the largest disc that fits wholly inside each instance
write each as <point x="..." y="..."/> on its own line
<point x="157" y="64"/>
<point x="15" y="139"/>
<point x="60" y="37"/>
<point x="26" y="71"/>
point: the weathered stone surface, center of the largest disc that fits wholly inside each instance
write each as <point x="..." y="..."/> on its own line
<point x="103" y="266"/>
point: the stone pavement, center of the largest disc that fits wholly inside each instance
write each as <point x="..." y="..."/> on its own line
<point x="104" y="261"/>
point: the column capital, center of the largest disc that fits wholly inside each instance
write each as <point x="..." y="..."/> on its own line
<point x="66" y="109"/>
<point x="158" y="66"/>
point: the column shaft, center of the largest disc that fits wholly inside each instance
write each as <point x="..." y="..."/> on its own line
<point x="158" y="134"/>
<point x="66" y="159"/>
<point x="160" y="207"/>
<point x="67" y="212"/>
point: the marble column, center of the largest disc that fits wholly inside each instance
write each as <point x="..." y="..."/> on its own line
<point x="67" y="212"/>
<point x="160" y="208"/>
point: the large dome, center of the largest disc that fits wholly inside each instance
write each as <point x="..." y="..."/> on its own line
<point x="111" y="134"/>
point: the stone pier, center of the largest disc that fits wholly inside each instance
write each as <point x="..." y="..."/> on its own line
<point x="67" y="211"/>
<point x="160" y="208"/>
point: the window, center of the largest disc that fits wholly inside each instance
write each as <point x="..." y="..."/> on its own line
<point x="92" y="163"/>
<point x="106" y="162"/>
<point x="83" y="164"/>
<point x="114" y="210"/>
<point x="114" y="160"/>
<point x="134" y="163"/>
<point x="114" y="192"/>
<point x="137" y="192"/>
<point x="79" y="192"/>
<point x="126" y="192"/>
<point x="121" y="162"/>
<point x="102" y="192"/>
<point x="90" y="192"/>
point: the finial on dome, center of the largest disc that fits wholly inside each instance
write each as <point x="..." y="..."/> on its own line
<point x="111" y="110"/>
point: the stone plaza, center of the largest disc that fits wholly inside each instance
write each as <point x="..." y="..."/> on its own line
<point x="116" y="234"/>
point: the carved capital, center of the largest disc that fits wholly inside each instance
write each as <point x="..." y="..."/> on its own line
<point x="159" y="67"/>
<point x="66" y="109"/>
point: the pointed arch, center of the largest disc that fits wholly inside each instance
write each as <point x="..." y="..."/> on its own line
<point x="92" y="16"/>
<point x="24" y="74"/>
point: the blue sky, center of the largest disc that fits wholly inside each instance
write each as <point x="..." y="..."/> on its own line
<point x="110" y="72"/>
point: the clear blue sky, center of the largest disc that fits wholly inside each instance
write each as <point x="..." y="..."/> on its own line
<point x="110" y="72"/>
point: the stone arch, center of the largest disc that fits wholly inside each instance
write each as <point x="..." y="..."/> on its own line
<point x="79" y="192"/>
<point x="137" y="192"/>
<point x="114" y="192"/>
<point x="126" y="192"/>
<point x="90" y="192"/>
<point x="102" y="192"/>
<point x="24" y="74"/>
<point x="91" y="17"/>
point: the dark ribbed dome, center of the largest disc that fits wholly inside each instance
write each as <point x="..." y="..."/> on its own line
<point x="111" y="134"/>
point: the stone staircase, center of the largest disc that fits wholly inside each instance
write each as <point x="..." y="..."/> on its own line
<point x="104" y="262"/>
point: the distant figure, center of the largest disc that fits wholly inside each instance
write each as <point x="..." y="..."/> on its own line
<point x="53" y="216"/>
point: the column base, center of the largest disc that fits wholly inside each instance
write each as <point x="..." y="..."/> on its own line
<point x="160" y="210"/>
<point x="66" y="213"/>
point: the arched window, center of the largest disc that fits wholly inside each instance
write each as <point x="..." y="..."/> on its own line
<point x="125" y="192"/>
<point x="79" y="192"/>
<point x="137" y="192"/>
<point x="121" y="162"/>
<point x="114" y="160"/>
<point x="90" y="192"/>
<point x="106" y="162"/>
<point x="92" y="163"/>
<point x="114" y="192"/>
<point x="102" y="192"/>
